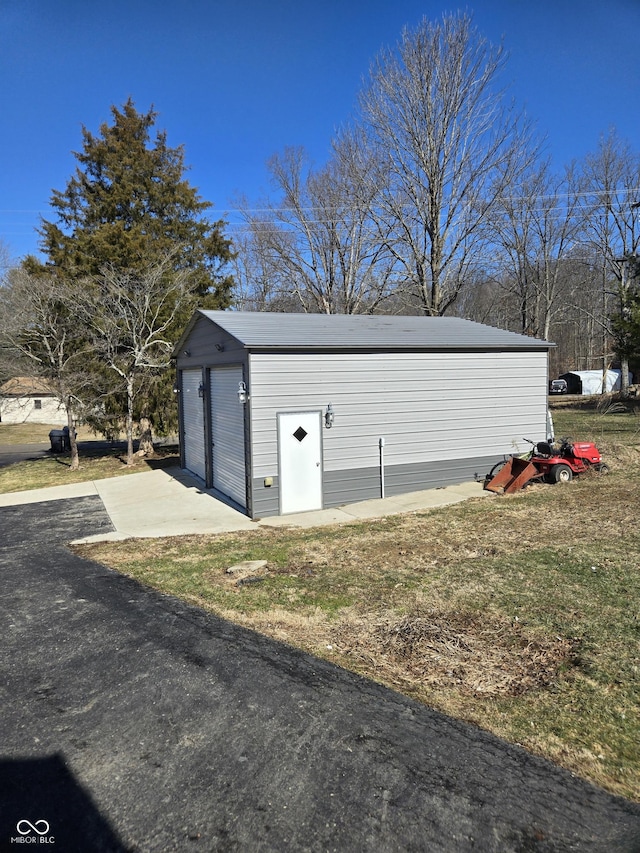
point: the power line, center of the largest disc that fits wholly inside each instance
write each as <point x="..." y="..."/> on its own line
<point x="515" y="198"/>
<point x="272" y="212"/>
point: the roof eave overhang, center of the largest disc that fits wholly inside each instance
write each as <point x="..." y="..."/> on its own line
<point x="341" y="348"/>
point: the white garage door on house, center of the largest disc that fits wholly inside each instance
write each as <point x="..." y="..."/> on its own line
<point x="227" y="433"/>
<point x="193" y="423"/>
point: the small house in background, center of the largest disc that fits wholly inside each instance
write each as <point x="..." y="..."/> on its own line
<point x="281" y="413"/>
<point x="25" y="399"/>
<point x="592" y="381"/>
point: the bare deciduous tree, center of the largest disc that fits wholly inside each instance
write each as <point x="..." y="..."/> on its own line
<point x="261" y="284"/>
<point x="447" y="147"/>
<point x="8" y="353"/>
<point x="39" y="327"/>
<point x="536" y="228"/>
<point x="131" y="317"/>
<point x="612" y="194"/>
<point x="318" y="242"/>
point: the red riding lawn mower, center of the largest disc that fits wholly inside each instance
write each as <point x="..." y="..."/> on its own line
<point x="553" y="463"/>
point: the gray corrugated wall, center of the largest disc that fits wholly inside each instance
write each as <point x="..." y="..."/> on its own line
<point x="444" y="417"/>
<point x="428" y="407"/>
<point x="201" y="347"/>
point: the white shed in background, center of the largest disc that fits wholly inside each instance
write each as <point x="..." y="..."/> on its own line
<point x="592" y="381"/>
<point x="29" y="400"/>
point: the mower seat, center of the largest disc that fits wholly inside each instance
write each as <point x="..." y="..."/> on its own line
<point x="543" y="448"/>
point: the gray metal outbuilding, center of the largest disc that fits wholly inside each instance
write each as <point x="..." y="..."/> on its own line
<point x="283" y="413"/>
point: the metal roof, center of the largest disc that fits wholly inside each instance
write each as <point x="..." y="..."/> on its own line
<point x="271" y="330"/>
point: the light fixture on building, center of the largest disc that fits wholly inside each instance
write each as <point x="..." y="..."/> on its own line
<point x="186" y="353"/>
<point x="201" y="389"/>
<point x="243" y="394"/>
<point x="220" y="347"/>
<point x="328" y="417"/>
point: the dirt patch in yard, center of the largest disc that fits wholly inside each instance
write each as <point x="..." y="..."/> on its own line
<point x="476" y="654"/>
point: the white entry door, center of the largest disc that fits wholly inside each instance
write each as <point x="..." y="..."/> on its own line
<point x="300" y="461"/>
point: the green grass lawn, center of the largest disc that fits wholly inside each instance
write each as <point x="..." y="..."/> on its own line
<point x="54" y="469"/>
<point x="519" y="613"/>
<point x="29" y="433"/>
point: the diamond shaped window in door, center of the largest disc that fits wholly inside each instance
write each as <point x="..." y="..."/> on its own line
<point x="300" y="433"/>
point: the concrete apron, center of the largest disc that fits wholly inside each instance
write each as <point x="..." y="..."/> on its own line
<point x="172" y="503"/>
<point x="379" y="507"/>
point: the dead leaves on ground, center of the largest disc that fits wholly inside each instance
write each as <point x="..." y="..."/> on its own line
<point x="476" y="654"/>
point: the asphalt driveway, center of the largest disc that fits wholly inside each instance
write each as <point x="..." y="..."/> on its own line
<point x="12" y="453"/>
<point x="131" y="721"/>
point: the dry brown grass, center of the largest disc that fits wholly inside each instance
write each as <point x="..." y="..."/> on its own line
<point x="30" y="433"/>
<point x="55" y="470"/>
<point x="476" y="654"/>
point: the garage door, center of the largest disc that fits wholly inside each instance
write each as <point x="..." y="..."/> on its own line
<point x="227" y="433"/>
<point x="193" y="423"/>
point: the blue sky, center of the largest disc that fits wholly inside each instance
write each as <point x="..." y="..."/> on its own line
<point x="236" y="81"/>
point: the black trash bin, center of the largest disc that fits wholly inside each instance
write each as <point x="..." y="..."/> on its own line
<point x="57" y="439"/>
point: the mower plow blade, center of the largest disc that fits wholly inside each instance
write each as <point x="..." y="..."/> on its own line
<point x="515" y="474"/>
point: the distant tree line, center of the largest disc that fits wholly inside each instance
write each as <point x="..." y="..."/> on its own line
<point x="436" y="200"/>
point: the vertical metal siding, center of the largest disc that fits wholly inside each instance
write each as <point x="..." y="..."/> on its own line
<point x="427" y="406"/>
<point x="193" y="423"/>
<point x="227" y="432"/>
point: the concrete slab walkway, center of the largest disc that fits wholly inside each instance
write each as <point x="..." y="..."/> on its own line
<point x="170" y="502"/>
<point x="378" y="508"/>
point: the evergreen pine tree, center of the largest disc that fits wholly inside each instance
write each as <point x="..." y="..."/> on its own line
<point x="128" y="205"/>
<point x="129" y="209"/>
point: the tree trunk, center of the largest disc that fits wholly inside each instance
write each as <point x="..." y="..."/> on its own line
<point x="75" y="459"/>
<point x="130" y="459"/>
<point x="624" y="376"/>
<point x="145" y="447"/>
